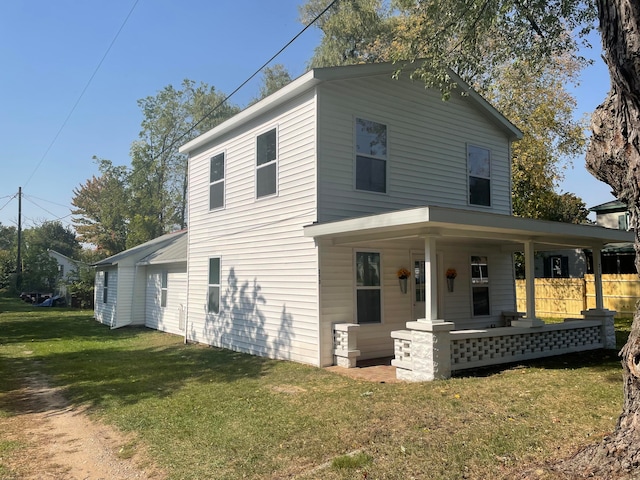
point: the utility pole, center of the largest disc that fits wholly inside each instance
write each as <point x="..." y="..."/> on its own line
<point x="19" y="266"/>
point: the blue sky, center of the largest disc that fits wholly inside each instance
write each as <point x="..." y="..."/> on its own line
<point x="50" y="50"/>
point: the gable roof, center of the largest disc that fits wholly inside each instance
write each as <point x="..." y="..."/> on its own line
<point x="317" y="76"/>
<point x="143" y="250"/>
<point x="172" y="252"/>
<point x="64" y="257"/>
<point x="612" y="206"/>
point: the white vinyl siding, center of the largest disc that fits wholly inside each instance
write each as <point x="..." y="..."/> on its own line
<point x="338" y="300"/>
<point x="269" y="274"/>
<point x="428" y="165"/>
<point x="374" y="340"/>
<point x="166" y="319"/>
<point x="105" y="312"/>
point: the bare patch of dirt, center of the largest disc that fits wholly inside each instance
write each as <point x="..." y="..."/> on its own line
<point x="59" y="441"/>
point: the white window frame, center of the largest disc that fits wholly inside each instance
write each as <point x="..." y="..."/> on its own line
<point x="105" y="287"/>
<point x="218" y="181"/>
<point x="211" y="286"/>
<point x="470" y="147"/>
<point x="164" y="291"/>
<point x="358" y="288"/>
<point x="275" y="162"/>
<point x="369" y="155"/>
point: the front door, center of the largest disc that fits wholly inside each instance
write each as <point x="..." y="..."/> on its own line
<point x="418" y="287"/>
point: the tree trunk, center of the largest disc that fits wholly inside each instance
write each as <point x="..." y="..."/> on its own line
<point x="614" y="157"/>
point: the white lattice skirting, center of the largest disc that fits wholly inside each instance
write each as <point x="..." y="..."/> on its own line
<point x="471" y="349"/>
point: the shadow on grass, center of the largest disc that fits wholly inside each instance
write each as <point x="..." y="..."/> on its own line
<point x="96" y="365"/>
<point x="604" y="361"/>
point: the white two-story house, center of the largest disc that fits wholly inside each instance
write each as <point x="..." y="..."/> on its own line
<point x="304" y="208"/>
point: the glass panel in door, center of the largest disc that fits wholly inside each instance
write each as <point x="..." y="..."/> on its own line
<point x="418" y="289"/>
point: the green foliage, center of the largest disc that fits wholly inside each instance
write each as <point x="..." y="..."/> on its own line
<point x="352" y="29"/>
<point x="52" y="236"/>
<point x="158" y="179"/>
<point x="272" y="419"/>
<point x="101" y="209"/>
<point x="357" y="460"/>
<point x="82" y="287"/>
<point x="273" y="79"/>
<point x="124" y="207"/>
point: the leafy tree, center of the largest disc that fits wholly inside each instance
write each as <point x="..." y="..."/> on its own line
<point x="8" y="237"/>
<point x="158" y="179"/>
<point x="101" y="209"/>
<point x="8" y="256"/>
<point x="351" y="30"/>
<point x="273" y="79"/>
<point x="53" y="236"/>
<point x="532" y="95"/>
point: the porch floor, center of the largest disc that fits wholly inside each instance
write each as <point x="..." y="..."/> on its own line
<point x="378" y="370"/>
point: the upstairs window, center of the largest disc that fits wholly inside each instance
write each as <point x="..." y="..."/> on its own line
<point x="267" y="164"/>
<point x="371" y="156"/>
<point x="216" y="182"/>
<point x="479" y="169"/>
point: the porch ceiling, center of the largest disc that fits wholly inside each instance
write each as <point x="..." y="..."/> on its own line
<point x="456" y="225"/>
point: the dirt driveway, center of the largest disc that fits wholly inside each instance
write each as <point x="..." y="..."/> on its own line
<point x="58" y="441"/>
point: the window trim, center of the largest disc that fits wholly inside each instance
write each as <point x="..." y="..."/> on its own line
<point x="357" y="154"/>
<point x="210" y="285"/>
<point x="164" y="291"/>
<point x="275" y="161"/>
<point x="223" y="180"/>
<point x="489" y="178"/>
<point x="357" y="288"/>
<point x="105" y="287"/>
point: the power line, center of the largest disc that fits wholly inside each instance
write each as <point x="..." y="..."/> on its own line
<point x="224" y="100"/>
<point x="66" y="120"/>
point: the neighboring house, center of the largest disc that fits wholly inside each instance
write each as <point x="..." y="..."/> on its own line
<point x="68" y="271"/>
<point x="145" y="285"/>
<point x="304" y="207"/>
<point x="562" y="263"/>
<point x="617" y="257"/>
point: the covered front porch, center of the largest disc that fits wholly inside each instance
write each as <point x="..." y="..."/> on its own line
<point x="454" y="323"/>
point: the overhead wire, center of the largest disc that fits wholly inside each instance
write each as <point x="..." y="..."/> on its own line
<point x="86" y="87"/>
<point x="195" y="125"/>
<point x="265" y="64"/>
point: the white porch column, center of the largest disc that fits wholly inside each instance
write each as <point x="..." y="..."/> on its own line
<point x="597" y="273"/>
<point x="430" y="279"/>
<point x="530" y="319"/>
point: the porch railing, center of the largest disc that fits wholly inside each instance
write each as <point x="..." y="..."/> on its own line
<point x="345" y="344"/>
<point x="433" y="350"/>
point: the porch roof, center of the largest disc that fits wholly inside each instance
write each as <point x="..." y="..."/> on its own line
<point x="457" y="224"/>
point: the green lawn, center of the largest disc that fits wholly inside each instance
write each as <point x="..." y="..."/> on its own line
<point x="202" y="412"/>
